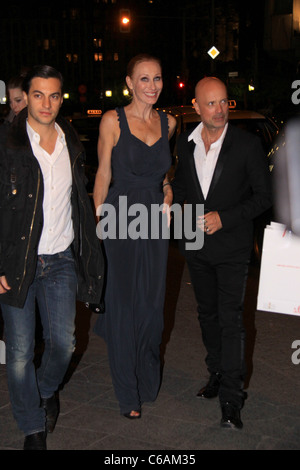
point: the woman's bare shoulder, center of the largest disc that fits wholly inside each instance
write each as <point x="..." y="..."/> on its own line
<point x="110" y="117"/>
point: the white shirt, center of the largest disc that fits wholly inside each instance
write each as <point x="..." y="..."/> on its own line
<point x="57" y="233"/>
<point x="205" y="163"/>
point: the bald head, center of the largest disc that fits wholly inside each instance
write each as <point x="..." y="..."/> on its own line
<point x="211" y="103"/>
<point x="208" y="83"/>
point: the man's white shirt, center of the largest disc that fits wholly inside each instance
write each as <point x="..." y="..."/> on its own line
<point x="57" y="234"/>
<point x="205" y="163"/>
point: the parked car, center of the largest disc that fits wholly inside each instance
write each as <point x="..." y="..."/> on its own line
<point x="252" y="121"/>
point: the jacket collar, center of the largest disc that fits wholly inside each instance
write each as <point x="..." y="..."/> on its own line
<point x="191" y="147"/>
<point x="221" y="160"/>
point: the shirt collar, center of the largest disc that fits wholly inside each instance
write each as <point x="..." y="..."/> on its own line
<point x="196" y="135"/>
<point x="36" y="137"/>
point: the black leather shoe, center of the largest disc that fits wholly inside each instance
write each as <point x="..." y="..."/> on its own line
<point x="231" y="417"/>
<point x="51" y="407"/>
<point x="211" y="389"/>
<point x="36" y="441"/>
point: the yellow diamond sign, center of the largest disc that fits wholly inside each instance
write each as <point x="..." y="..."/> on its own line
<point x="213" y="52"/>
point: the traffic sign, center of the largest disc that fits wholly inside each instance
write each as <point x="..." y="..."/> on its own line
<point x="213" y="52"/>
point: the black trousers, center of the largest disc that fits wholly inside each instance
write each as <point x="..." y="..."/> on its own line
<point x="220" y="290"/>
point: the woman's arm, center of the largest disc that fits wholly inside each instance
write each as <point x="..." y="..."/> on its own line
<point x="108" y="136"/>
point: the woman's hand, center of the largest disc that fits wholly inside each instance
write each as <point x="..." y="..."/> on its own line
<point x="168" y="199"/>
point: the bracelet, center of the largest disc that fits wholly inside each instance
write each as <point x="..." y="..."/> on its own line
<point x="166" y="184"/>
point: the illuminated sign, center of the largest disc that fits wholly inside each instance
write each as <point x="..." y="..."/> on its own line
<point x="94" y="111"/>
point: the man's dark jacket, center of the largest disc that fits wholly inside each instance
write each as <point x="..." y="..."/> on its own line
<point x="21" y="215"/>
<point x="240" y="191"/>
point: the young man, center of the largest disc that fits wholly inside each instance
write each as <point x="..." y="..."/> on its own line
<point x="49" y="250"/>
<point x="225" y="169"/>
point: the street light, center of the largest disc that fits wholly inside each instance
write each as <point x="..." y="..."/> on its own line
<point x="125" y="21"/>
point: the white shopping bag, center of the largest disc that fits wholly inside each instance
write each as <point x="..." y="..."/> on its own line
<point x="2" y="352"/>
<point x="279" y="281"/>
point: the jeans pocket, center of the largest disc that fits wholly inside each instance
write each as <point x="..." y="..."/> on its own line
<point x="67" y="255"/>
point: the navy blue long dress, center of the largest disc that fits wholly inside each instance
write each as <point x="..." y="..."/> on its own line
<point x="132" y="324"/>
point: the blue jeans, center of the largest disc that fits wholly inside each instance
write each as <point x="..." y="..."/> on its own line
<point x="54" y="288"/>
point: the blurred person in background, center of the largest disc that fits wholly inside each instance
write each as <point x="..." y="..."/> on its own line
<point x="16" y="97"/>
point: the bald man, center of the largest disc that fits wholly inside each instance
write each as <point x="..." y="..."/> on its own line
<point x="224" y="168"/>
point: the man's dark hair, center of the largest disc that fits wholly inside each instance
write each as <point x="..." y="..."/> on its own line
<point x="41" y="71"/>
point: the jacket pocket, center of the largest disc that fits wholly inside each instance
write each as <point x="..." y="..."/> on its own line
<point x="14" y="196"/>
<point x="13" y="184"/>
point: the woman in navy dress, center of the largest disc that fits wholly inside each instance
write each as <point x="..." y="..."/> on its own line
<point x="134" y="158"/>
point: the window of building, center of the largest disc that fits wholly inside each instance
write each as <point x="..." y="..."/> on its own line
<point x="97" y="42"/>
<point x="98" y="57"/>
<point x="72" y="58"/>
<point x="74" y="13"/>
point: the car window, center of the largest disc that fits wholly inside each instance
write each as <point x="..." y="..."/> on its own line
<point x="259" y="127"/>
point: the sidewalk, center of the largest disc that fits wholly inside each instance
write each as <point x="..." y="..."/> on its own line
<point x="177" y="421"/>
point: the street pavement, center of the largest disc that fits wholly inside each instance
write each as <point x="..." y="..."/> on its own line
<point x="178" y="422"/>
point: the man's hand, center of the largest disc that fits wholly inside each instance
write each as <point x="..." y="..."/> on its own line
<point x="210" y="222"/>
<point x="4" y="287"/>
